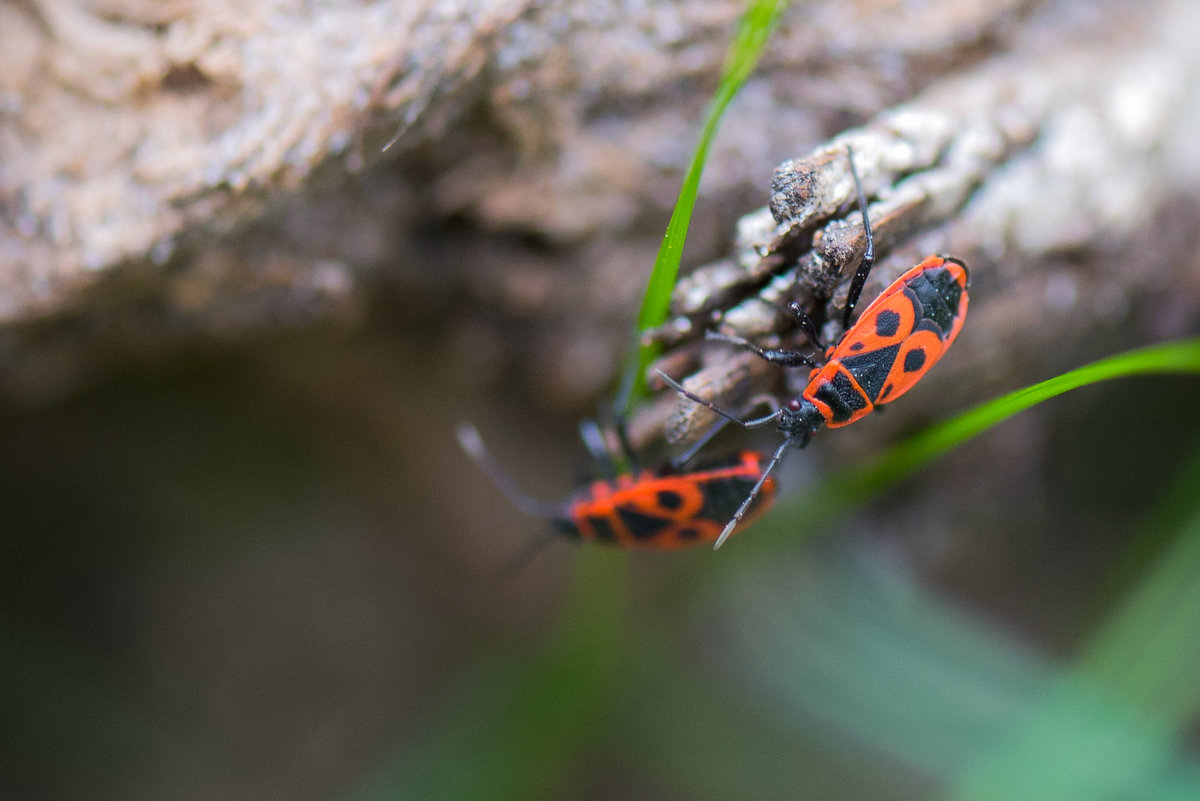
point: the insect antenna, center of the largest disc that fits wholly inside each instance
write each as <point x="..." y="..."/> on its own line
<point x="737" y="516"/>
<point x="679" y="461"/>
<point x="675" y="385"/>
<point x="472" y="445"/>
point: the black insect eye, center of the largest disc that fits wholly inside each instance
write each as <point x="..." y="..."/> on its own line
<point x="793" y="405"/>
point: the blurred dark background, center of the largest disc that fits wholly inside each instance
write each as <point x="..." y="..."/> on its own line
<point x="268" y="572"/>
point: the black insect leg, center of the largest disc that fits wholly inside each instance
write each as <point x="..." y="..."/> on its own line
<point x="868" y="259"/>
<point x="685" y="457"/>
<point x="806" y="324"/>
<point x="785" y="358"/>
<point x="762" y="479"/>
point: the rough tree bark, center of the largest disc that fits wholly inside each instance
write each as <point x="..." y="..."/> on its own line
<point x="205" y="170"/>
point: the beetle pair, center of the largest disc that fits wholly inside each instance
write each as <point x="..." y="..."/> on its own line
<point x="894" y="342"/>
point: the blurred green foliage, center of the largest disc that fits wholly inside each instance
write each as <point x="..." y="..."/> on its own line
<point x="855" y="649"/>
<point x="754" y="30"/>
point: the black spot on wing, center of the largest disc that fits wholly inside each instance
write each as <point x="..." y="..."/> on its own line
<point x="856" y="346"/>
<point x="642" y="526"/>
<point x="603" y="528"/>
<point x="688" y="534"/>
<point x="914" y="360"/>
<point x="669" y="499"/>
<point x="841" y="395"/>
<point x="723" y="497"/>
<point x="871" y="369"/>
<point x="887" y="323"/>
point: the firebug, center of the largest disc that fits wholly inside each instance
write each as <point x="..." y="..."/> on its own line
<point x="663" y="509"/>
<point x="894" y="342"/>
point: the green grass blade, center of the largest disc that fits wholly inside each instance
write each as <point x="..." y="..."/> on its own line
<point x="754" y="29"/>
<point x="854" y="487"/>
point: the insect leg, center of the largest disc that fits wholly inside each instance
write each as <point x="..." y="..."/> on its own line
<point x="785" y="358"/>
<point x="806" y="324"/>
<point x="868" y="259"/>
<point x="755" y="423"/>
<point x="737" y="516"/>
<point x="685" y="457"/>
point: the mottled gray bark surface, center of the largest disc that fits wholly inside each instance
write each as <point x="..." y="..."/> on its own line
<point x="208" y="171"/>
